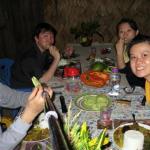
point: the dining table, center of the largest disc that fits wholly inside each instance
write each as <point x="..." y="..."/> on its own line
<point x="120" y="113"/>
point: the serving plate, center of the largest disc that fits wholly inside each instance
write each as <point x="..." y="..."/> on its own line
<point x="94" y="78"/>
<point x="118" y="145"/>
<point x="93" y="102"/>
<point x="36" y="138"/>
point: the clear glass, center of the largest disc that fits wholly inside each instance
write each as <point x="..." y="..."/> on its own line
<point x="105" y="119"/>
<point x="114" y="83"/>
<point x="68" y="51"/>
<point x="73" y="86"/>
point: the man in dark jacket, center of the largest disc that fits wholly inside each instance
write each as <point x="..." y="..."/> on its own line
<point x="40" y="60"/>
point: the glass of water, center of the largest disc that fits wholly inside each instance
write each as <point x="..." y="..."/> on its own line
<point x="115" y="79"/>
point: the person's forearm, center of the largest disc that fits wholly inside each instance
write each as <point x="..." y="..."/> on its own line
<point x="14" y="134"/>
<point x="120" y="46"/>
<point x="11" y="98"/>
<point x="28" y="115"/>
<point x="50" y="72"/>
<point x="120" y="61"/>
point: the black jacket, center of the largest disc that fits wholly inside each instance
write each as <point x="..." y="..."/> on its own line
<point x="31" y="63"/>
<point x="131" y="78"/>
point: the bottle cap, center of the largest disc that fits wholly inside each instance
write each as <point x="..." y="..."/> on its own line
<point x="115" y="70"/>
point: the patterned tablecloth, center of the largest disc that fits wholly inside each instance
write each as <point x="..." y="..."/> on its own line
<point x="119" y="111"/>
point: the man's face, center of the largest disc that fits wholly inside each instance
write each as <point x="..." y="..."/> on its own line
<point x="126" y="33"/>
<point x="140" y="59"/>
<point x="45" y="40"/>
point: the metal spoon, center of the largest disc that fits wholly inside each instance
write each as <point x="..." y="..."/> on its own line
<point x="135" y="124"/>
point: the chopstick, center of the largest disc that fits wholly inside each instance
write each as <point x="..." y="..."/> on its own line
<point x="58" y="138"/>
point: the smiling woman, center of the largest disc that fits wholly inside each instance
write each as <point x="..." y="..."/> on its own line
<point x="140" y="61"/>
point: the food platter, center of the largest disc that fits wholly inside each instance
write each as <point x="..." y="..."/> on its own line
<point x="36" y="138"/>
<point x="118" y="135"/>
<point x="37" y="134"/>
<point x="93" y="102"/>
<point x="94" y="78"/>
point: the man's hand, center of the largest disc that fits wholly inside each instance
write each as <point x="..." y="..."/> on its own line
<point x="52" y="67"/>
<point x="54" y="52"/>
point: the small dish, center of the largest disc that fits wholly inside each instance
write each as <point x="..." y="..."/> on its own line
<point x="129" y="90"/>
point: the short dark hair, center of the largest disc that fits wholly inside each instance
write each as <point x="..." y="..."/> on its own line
<point x="43" y="27"/>
<point x="139" y="39"/>
<point x="131" y="22"/>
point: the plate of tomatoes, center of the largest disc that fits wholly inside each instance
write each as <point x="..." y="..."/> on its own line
<point x="94" y="78"/>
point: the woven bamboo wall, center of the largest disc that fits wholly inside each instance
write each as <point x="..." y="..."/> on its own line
<point x="17" y="20"/>
<point x="64" y="14"/>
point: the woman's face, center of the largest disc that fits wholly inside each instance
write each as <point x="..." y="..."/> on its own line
<point x="126" y="32"/>
<point x="140" y="59"/>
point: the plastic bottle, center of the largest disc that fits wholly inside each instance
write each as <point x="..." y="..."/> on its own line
<point x="115" y="78"/>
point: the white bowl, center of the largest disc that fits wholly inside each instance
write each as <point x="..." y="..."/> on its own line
<point x="140" y="124"/>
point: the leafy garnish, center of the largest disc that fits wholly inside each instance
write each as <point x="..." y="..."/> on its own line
<point x="79" y="135"/>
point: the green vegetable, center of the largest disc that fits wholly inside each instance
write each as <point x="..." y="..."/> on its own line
<point x="98" y="66"/>
<point x="79" y="135"/>
<point x="100" y="139"/>
<point x="35" y="81"/>
<point x="95" y="102"/>
<point x="108" y="69"/>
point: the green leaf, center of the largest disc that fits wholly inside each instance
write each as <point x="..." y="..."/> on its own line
<point x="101" y="139"/>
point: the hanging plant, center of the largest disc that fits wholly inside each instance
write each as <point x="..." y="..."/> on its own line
<point x="85" y="32"/>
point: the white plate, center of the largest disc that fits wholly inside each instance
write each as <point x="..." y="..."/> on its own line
<point x="140" y="124"/>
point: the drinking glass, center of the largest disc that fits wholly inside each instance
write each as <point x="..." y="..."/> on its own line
<point x="105" y="118"/>
<point x="69" y="51"/>
<point x="114" y="84"/>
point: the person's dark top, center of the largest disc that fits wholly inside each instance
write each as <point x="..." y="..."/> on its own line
<point x="31" y="63"/>
<point x="131" y="78"/>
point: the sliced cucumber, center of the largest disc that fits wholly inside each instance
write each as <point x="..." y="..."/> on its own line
<point x="35" y="81"/>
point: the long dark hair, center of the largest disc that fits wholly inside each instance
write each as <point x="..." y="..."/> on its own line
<point x="131" y="22"/>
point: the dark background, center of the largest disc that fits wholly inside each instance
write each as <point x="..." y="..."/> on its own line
<point x="19" y="17"/>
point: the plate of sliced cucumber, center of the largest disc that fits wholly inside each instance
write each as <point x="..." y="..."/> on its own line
<point x="93" y="102"/>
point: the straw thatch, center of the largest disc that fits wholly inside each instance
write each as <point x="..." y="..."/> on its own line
<point x="64" y="14"/>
